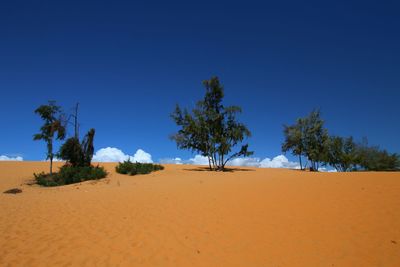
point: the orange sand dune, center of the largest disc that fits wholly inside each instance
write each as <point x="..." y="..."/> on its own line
<point x="185" y="217"/>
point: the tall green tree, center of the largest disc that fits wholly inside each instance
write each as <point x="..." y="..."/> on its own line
<point x="211" y="129"/>
<point x="315" y="138"/>
<point x="54" y="125"/>
<point x="294" y="140"/>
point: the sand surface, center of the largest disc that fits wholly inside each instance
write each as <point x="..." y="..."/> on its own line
<point x="186" y="217"/>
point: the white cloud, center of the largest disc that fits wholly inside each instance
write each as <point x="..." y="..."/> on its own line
<point x="6" y="158"/>
<point x="112" y="154"/>
<point x="245" y="162"/>
<point x="198" y="160"/>
<point x="171" y="161"/>
<point x="141" y="156"/>
<point x="277" y="162"/>
<point x="55" y="160"/>
<point x="324" y="169"/>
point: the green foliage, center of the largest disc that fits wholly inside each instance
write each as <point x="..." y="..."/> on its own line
<point x="53" y="123"/>
<point x="307" y="138"/>
<point x="315" y="138"/>
<point x="71" y="151"/>
<point x="130" y="168"/>
<point x="294" y="136"/>
<point x="374" y="159"/>
<point x="341" y="153"/>
<point x="71" y="174"/>
<point x="211" y="129"/>
<point x="76" y="153"/>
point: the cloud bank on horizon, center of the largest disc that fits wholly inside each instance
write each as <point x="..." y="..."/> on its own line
<point x="277" y="162"/>
<point x="6" y="158"/>
<point x="113" y="154"/>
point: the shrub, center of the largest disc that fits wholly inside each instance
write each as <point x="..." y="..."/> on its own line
<point x="130" y="168"/>
<point x="71" y="174"/>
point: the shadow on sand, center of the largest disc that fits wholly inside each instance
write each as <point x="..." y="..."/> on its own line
<point x="206" y="169"/>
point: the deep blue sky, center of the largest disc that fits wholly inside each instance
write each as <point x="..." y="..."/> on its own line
<point x="128" y="63"/>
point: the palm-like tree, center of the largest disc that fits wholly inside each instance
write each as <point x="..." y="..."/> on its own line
<point x="53" y="123"/>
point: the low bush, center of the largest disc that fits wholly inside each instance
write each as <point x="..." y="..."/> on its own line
<point x="71" y="174"/>
<point x="130" y="168"/>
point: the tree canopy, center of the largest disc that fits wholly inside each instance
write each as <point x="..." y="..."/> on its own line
<point x="310" y="139"/>
<point x="307" y="137"/>
<point x="211" y="129"/>
<point x="54" y="123"/>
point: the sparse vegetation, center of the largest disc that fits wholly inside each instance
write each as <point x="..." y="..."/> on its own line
<point x="211" y="129"/>
<point x="78" y="155"/>
<point x="69" y="174"/>
<point x="53" y="123"/>
<point x="308" y="138"/>
<point x="372" y="158"/>
<point x="133" y="168"/>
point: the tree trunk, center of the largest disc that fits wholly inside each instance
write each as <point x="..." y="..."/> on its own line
<point x="51" y="165"/>
<point x="216" y="162"/>
<point x="301" y="165"/>
<point x="50" y="151"/>
<point x="212" y="162"/>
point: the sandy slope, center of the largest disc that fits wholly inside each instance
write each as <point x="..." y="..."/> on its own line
<point x="185" y="217"/>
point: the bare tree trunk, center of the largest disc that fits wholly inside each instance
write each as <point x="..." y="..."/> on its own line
<point x="51" y="165"/>
<point x="212" y="161"/>
<point x="301" y="165"/>
<point x="216" y="162"/>
<point x="50" y="153"/>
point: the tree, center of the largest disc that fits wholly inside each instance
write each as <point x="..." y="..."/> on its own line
<point x="76" y="153"/>
<point x="53" y="123"/>
<point x="372" y="158"/>
<point x="315" y="137"/>
<point x="307" y="137"/>
<point x="341" y="153"/>
<point x="88" y="148"/>
<point x="294" y="140"/>
<point x="211" y="129"/>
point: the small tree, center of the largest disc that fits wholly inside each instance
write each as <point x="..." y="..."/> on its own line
<point x="307" y="138"/>
<point x="211" y="129"/>
<point x="53" y="123"/>
<point x="294" y="140"/>
<point x="341" y="153"/>
<point x="76" y="153"/>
